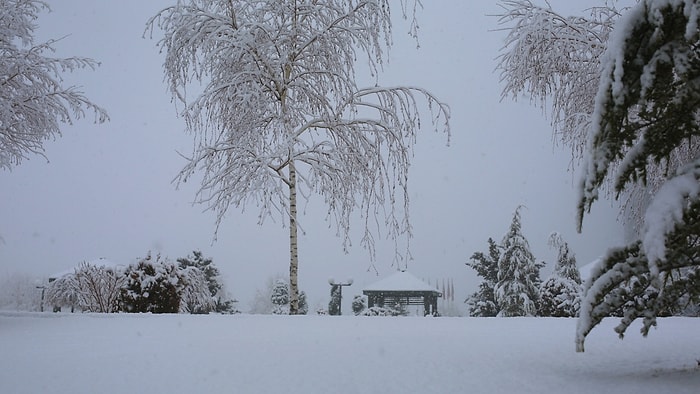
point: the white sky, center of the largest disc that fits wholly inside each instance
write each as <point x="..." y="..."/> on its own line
<point x="107" y="191"/>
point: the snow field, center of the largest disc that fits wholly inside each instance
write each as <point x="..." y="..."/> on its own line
<point x="118" y="353"/>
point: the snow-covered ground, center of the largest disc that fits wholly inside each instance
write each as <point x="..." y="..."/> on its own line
<point x="120" y="353"/>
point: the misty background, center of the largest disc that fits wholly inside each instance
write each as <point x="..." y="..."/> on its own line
<point x="106" y="190"/>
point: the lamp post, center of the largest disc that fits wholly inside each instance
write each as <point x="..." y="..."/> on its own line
<point x="337" y="287"/>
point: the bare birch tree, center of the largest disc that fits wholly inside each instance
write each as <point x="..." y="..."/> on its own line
<point x="278" y="115"/>
<point x="33" y="99"/>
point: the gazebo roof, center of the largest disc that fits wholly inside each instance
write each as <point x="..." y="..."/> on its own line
<point x="400" y="281"/>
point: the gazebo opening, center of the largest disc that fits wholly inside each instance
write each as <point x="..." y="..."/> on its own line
<point x="405" y="289"/>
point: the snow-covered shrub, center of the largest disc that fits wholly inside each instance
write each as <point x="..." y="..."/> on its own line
<point x="90" y="287"/>
<point x="222" y="302"/>
<point x="98" y="288"/>
<point x="280" y="298"/>
<point x="559" y="297"/>
<point x="62" y="292"/>
<point x="397" y="309"/>
<point x="334" y="303"/>
<point x="303" y="303"/>
<point x="359" y="304"/>
<point x="560" y="294"/>
<point x="274" y="298"/>
<point x="195" y="296"/>
<point x="152" y="285"/>
<point x="377" y="311"/>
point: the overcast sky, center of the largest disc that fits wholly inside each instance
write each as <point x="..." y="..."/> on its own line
<point x="106" y="190"/>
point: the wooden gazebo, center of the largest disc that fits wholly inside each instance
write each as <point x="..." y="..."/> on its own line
<point x="404" y="288"/>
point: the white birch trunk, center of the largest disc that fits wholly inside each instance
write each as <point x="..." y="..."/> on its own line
<point x="293" y="251"/>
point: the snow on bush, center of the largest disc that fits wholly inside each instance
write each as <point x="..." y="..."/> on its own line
<point x="152" y="285"/>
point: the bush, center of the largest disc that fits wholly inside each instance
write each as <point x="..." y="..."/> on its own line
<point x="152" y="286"/>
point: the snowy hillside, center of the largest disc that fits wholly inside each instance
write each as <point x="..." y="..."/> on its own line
<point x="118" y="353"/>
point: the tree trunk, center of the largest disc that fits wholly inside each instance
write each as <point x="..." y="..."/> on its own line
<point x="294" y="256"/>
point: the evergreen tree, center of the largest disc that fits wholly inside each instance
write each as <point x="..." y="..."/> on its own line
<point x="517" y="290"/>
<point x="334" y="304"/>
<point x="359" y="304"/>
<point x="646" y="114"/>
<point x="303" y="303"/>
<point x="152" y="285"/>
<point x="195" y="296"/>
<point x="560" y="294"/>
<point x="221" y="302"/>
<point x="280" y="297"/>
<point x="483" y="302"/>
<point x="204" y="264"/>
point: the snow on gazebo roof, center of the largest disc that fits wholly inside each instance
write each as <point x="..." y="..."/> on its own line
<point x="400" y="281"/>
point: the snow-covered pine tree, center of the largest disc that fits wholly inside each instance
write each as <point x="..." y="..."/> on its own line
<point x="152" y="285"/>
<point x="221" y="302"/>
<point x="280" y="297"/>
<point x="517" y="290"/>
<point x="645" y="114"/>
<point x="33" y="101"/>
<point x="206" y="266"/>
<point x="334" y="303"/>
<point x="560" y="294"/>
<point x="303" y="303"/>
<point x="482" y="303"/>
<point x="195" y="294"/>
<point x="280" y="113"/>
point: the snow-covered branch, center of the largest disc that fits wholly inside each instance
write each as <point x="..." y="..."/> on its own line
<point x="33" y="100"/>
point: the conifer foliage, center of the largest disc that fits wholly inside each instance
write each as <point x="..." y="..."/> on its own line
<point x="483" y="302"/>
<point x="560" y="294"/>
<point x="334" y="304"/>
<point x="217" y="300"/>
<point x="511" y="277"/>
<point x="152" y="285"/>
<point x="517" y="289"/>
<point x="646" y="113"/>
<point x="280" y="297"/>
<point x="623" y="89"/>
